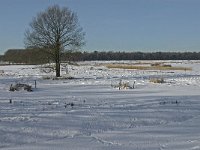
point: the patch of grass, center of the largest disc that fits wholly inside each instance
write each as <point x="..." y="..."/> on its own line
<point x="167" y="67"/>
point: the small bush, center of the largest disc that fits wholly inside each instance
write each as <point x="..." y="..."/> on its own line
<point x="124" y="85"/>
<point x="19" y="86"/>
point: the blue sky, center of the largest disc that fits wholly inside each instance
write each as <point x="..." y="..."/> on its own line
<point x="113" y="25"/>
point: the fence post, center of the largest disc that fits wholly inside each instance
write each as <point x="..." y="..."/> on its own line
<point x="35" y="84"/>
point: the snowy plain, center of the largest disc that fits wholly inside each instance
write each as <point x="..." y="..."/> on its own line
<point x="87" y="113"/>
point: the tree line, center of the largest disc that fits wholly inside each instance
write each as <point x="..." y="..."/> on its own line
<point x="37" y="56"/>
<point x="140" y="55"/>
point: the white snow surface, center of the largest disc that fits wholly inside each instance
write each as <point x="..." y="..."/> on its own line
<point x="87" y="113"/>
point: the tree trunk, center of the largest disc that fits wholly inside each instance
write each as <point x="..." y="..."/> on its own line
<point x="57" y="60"/>
<point x="57" y="69"/>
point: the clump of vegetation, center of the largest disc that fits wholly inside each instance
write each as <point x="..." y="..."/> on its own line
<point x="1" y="72"/>
<point x="69" y="104"/>
<point x="157" y="80"/>
<point x="160" y="64"/>
<point x="124" y="85"/>
<point x="19" y="86"/>
<point x="58" y="78"/>
<point x="170" y="102"/>
<point x="156" y="64"/>
<point x="47" y="68"/>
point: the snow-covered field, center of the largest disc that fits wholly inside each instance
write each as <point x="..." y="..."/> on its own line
<point x="87" y="113"/>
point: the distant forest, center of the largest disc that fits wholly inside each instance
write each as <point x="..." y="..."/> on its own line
<point x="27" y="56"/>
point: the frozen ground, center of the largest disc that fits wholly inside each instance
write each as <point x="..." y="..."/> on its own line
<point x="86" y="113"/>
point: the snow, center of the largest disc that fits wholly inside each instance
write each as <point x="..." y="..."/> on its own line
<point x="150" y="117"/>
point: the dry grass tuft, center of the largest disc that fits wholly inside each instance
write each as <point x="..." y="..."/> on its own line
<point x="124" y="85"/>
<point x="157" y="80"/>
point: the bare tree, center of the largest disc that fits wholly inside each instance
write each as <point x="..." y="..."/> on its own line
<point x="54" y="31"/>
